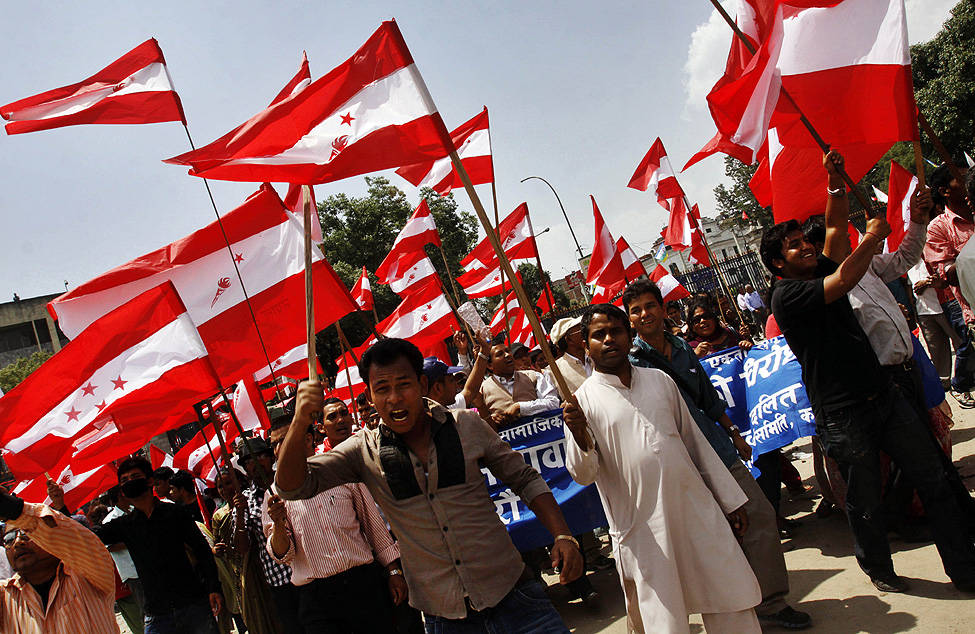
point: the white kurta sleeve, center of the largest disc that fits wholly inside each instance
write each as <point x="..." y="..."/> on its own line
<point x="716" y="476"/>
<point x="583" y="466"/>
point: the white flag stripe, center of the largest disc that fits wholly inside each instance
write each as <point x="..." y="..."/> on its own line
<point x="412" y="323"/>
<point x="268" y="257"/>
<point x="881" y="196"/>
<point x="477" y="144"/>
<point x="152" y="78"/>
<point x="291" y="356"/>
<point x="393" y="100"/>
<point x="171" y="346"/>
<point x="812" y="34"/>
<point x="416" y="273"/>
<point x="342" y="382"/>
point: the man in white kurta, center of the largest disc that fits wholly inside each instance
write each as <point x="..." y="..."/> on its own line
<point x="665" y="491"/>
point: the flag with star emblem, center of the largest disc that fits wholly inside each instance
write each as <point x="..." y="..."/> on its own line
<point x="137" y="362"/>
<point x="407" y="250"/>
<point x="371" y="113"/>
<point x="292" y="364"/>
<point x="516" y="239"/>
<point x="268" y="249"/>
<point x="421" y="317"/>
<point x="133" y="89"/>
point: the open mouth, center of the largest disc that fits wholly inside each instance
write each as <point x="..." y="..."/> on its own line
<point x="399" y="415"/>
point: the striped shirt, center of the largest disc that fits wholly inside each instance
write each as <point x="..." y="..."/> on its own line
<point x="82" y="597"/>
<point x="332" y="532"/>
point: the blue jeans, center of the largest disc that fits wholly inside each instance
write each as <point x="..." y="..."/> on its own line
<point x="964" y="378"/>
<point x="524" y="610"/>
<point x="195" y="618"/>
<point x="854" y="436"/>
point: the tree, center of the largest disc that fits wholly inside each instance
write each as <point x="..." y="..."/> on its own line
<point x="360" y="232"/>
<point x="737" y="206"/>
<point x="534" y="286"/>
<point x="944" y="80"/>
<point x="13" y="374"/>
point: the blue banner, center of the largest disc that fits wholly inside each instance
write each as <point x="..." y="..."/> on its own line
<point x="765" y="394"/>
<point x="541" y="441"/>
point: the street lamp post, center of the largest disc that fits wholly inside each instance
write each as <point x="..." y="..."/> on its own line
<point x="585" y="291"/>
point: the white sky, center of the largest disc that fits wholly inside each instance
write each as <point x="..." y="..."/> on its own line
<point x="577" y="92"/>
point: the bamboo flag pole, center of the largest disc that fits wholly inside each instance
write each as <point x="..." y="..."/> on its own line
<point x="721" y="279"/>
<point x="538" y="260"/>
<point x="450" y="275"/>
<point x="199" y="426"/>
<point x="940" y="148"/>
<point x="823" y="145"/>
<point x="309" y="286"/>
<point x="497" y="230"/>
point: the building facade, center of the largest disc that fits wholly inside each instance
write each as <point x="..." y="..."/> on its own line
<point x="26" y="327"/>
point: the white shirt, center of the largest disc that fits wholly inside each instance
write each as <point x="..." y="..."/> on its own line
<point x="875" y="307"/>
<point x="927" y="302"/>
<point x="548" y="396"/>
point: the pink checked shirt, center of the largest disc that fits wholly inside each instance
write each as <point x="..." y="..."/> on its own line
<point x="947" y="235"/>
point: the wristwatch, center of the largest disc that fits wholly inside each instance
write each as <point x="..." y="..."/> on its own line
<point x="733" y="430"/>
<point x="394" y="572"/>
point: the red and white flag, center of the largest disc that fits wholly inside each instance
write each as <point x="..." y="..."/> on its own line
<point x="605" y="265"/>
<point x="473" y="143"/>
<point x="632" y="266"/>
<point x="342" y="378"/>
<point x="544" y="304"/>
<point x="292" y="364"/>
<point x="419" y="231"/>
<point x="484" y="282"/>
<point x="159" y="458"/>
<point x="822" y="48"/>
<point x="139" y="360"/>
<point x="509" y="307"/>
<point x="670" y="288"/>
<point x="371" y="113"/>
<point x="422" y="316"/>
<point x="197" y="455"/>
<point x="417" y="272"/>
<point x="299" y="82"/>
<point x="78" y="489"/>
<point x="655" y="173"/>
<point x="362" y="291"/>
<point x="249" y="406"/>
<point x="899" y="191"/>
<point x="516" y="240"/>
<point x="699" y="251"/>
<point x="269" y="252"/>
<point x="136" y="88"/>
<point x="294" y="200"/>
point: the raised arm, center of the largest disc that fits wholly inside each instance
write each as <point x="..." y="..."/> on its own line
<point x="837" y="216"/>
<point x="853" y="268"/>
<point x="66" y="539"/>
<point x="292" y="463"/>
<point x="890" y="266"/>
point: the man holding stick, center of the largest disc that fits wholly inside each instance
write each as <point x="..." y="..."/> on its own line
<point x="859" y="412"/>
<point x="423" y="467"/>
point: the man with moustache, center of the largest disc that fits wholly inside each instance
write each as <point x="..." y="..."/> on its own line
<point x="668" y="496"/>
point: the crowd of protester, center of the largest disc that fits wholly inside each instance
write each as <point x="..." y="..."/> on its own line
<point x="377" y="519"/>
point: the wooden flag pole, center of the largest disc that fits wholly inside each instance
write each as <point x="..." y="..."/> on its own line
<point x="519" y="290"/>
<point x="450" y="275"/>
<point x="721" y="279"/>
<point x="497" y="232"/>
<point x="309" y="286"/>
<point x="823" y="145"/>
<point x="538" y="260"/>
<point x="940" y="148"/>
<point x="199" y="426"/>
<point x="344" y="345"/>
<point x="919" y="164"/>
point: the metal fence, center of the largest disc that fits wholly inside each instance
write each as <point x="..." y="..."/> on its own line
<point x="737" y="271"/>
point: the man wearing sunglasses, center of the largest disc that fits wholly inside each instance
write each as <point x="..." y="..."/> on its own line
<point x="64" y="579"/>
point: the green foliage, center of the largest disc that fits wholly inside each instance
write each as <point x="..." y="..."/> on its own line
<point x="944" y="80"/>
<point x="534" y="285"/>
<point x="13" y="374"/>
<point x="737" y="202"/>
<point x="360" y="232"/>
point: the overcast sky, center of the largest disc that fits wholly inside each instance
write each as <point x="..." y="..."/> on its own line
<point x="577" y="92"/>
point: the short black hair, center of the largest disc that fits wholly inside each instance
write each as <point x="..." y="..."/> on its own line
<point x="135" y="462"/>
<point x="699" y="302"/>
<point x="386" y="352"/>
<point x="332" y="400"/>
<point x="183" y="480"/>
<point x="942" y="177"/>
<point x="611" y="311"/>
<point x="361" y="400"/>
<point x="771" y="246"/>
<point x="641" y="287"/>
<point x="970" y="184"/>
<point x="815" y="228"/>
<point x="163" y="473"/>
<point x="278" y="422"/>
